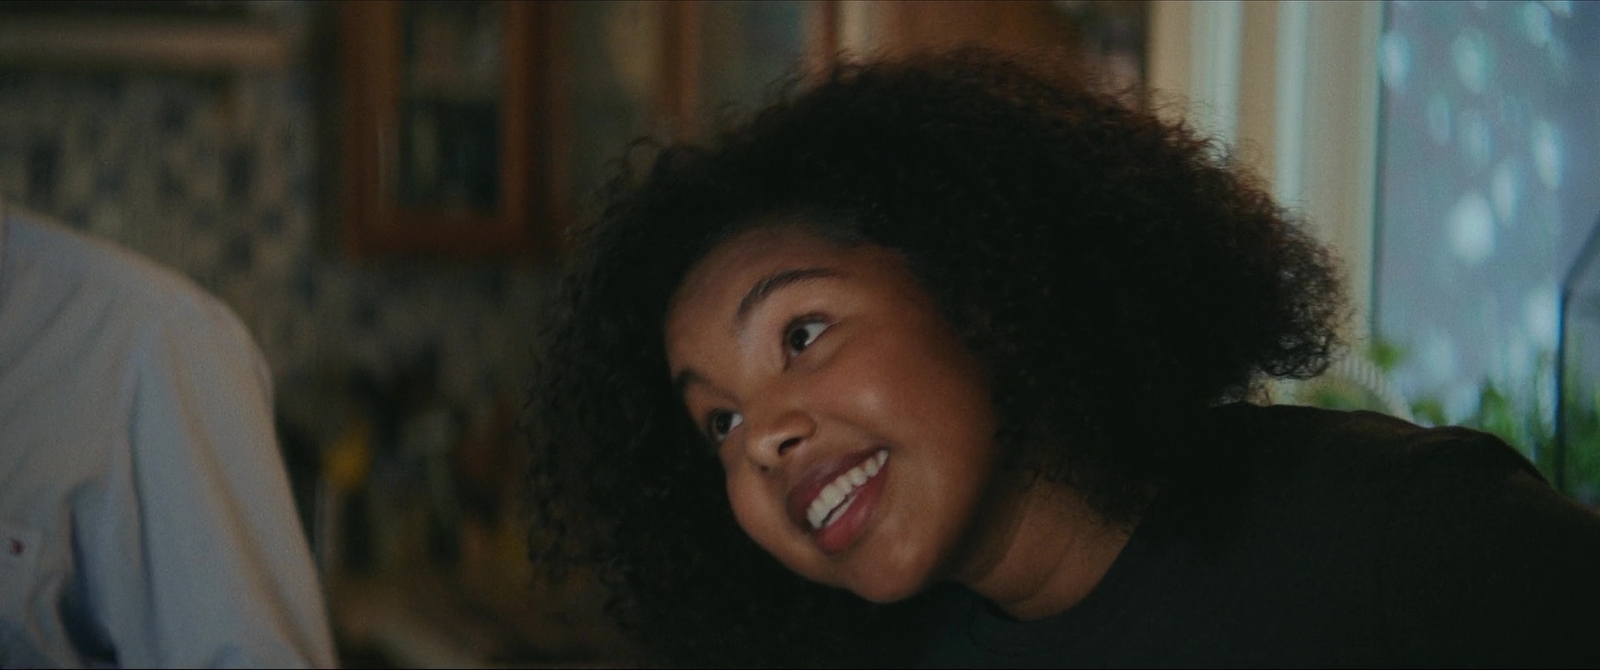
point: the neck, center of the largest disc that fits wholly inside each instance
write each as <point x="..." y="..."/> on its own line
<point x="1052" y="552"/>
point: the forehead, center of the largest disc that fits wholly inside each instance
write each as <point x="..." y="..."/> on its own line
<point x="732" y="266"/>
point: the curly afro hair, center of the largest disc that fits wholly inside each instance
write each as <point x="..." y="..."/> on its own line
<point x="1115" y="274"/>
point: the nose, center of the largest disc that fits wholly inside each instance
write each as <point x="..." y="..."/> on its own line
<point x="773" y="439"/>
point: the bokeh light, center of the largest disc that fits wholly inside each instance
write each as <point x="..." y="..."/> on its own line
<point x="1489" y="166"/>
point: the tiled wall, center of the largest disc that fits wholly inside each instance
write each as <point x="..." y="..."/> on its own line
<point x="218" y="177"/>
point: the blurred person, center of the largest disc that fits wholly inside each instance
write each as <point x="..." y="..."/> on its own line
<point x="145" y="513"/>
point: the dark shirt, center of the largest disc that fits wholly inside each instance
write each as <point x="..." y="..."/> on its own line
<point x="1322" y="538"/>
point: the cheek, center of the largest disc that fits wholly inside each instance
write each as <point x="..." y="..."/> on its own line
<point x="766" y="522"/>
<point x="754" y="510"/>
<point x="919" y="387"/>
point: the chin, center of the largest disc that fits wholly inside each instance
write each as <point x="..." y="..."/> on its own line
<point x="883" y="593"/>
<point x="893" y="572"/>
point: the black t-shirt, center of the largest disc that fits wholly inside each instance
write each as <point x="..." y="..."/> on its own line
<point x="1319" y="538"/>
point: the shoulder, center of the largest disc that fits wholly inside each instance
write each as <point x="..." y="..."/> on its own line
<point x="1288" y="478"/>
<point x="1317" y="492"/>
<point x="1358" y="469"/>
<point x="55" y="275"/>
<point x="1477" y="559"/>
<point x="37" y="245"/>
<point x="1373" y="447"/>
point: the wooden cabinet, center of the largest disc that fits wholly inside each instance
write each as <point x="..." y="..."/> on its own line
<point x="665" y="70"/>
<point x="438" y="111"/>
<point x="481" y="129"/>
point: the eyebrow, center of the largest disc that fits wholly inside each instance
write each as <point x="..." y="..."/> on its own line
<point x="769" y="284"/>
<point x="681" y="381"/>
<point x="759" y="291"/>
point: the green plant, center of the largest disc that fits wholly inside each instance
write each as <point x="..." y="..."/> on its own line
<point x="1518" y="413"/>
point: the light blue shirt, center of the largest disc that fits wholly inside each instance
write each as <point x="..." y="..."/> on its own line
<point x="145" y="514"/>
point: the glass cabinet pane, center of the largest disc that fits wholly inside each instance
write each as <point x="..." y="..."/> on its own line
<point x="450" y="98"/>
<point x="746" y="46"/>
<point x="616" y="57"/>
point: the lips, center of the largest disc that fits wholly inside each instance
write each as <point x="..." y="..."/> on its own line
<point x="836" y="497"/>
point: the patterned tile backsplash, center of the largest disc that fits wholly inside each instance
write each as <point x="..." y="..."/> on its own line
<point x="218" y="178"/>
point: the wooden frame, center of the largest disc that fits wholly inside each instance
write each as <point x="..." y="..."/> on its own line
<point x="680" y="102"/>
<point x="375" y="222"/>
<point x="677" y="105"/>
<point x="536" y="120"/>
<point x="156" y="36"/>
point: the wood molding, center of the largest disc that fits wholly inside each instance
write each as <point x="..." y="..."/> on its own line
<point x="374" y="221"/>
<point x="153" y="43"/>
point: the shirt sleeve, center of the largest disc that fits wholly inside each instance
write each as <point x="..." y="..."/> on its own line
<point x="1490" y="566"/>
<point x="215" y="570"/>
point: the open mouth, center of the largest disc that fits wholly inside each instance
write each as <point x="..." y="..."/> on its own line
<point x="836" y="498"/>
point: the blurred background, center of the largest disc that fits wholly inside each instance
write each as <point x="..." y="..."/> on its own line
<point x="379" y="190"/>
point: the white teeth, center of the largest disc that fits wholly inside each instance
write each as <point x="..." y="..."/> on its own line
<point x="827" y="506"/>
<point x="832" y="495"/>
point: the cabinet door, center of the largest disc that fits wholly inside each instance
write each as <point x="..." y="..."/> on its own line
<point x="743" y="52"/>
<point x="624" y="70"/>
<point x="438" y="106"/>
<point x="607" y="75"/>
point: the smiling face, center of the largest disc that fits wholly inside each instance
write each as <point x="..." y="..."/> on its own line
<point x="855" y="430"/>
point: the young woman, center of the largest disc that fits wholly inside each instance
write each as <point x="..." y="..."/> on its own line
<point x="943" y="361"/>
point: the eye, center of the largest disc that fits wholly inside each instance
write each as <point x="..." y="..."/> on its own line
<point x="722" y="422"/>
<point x="802" y="333"/>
